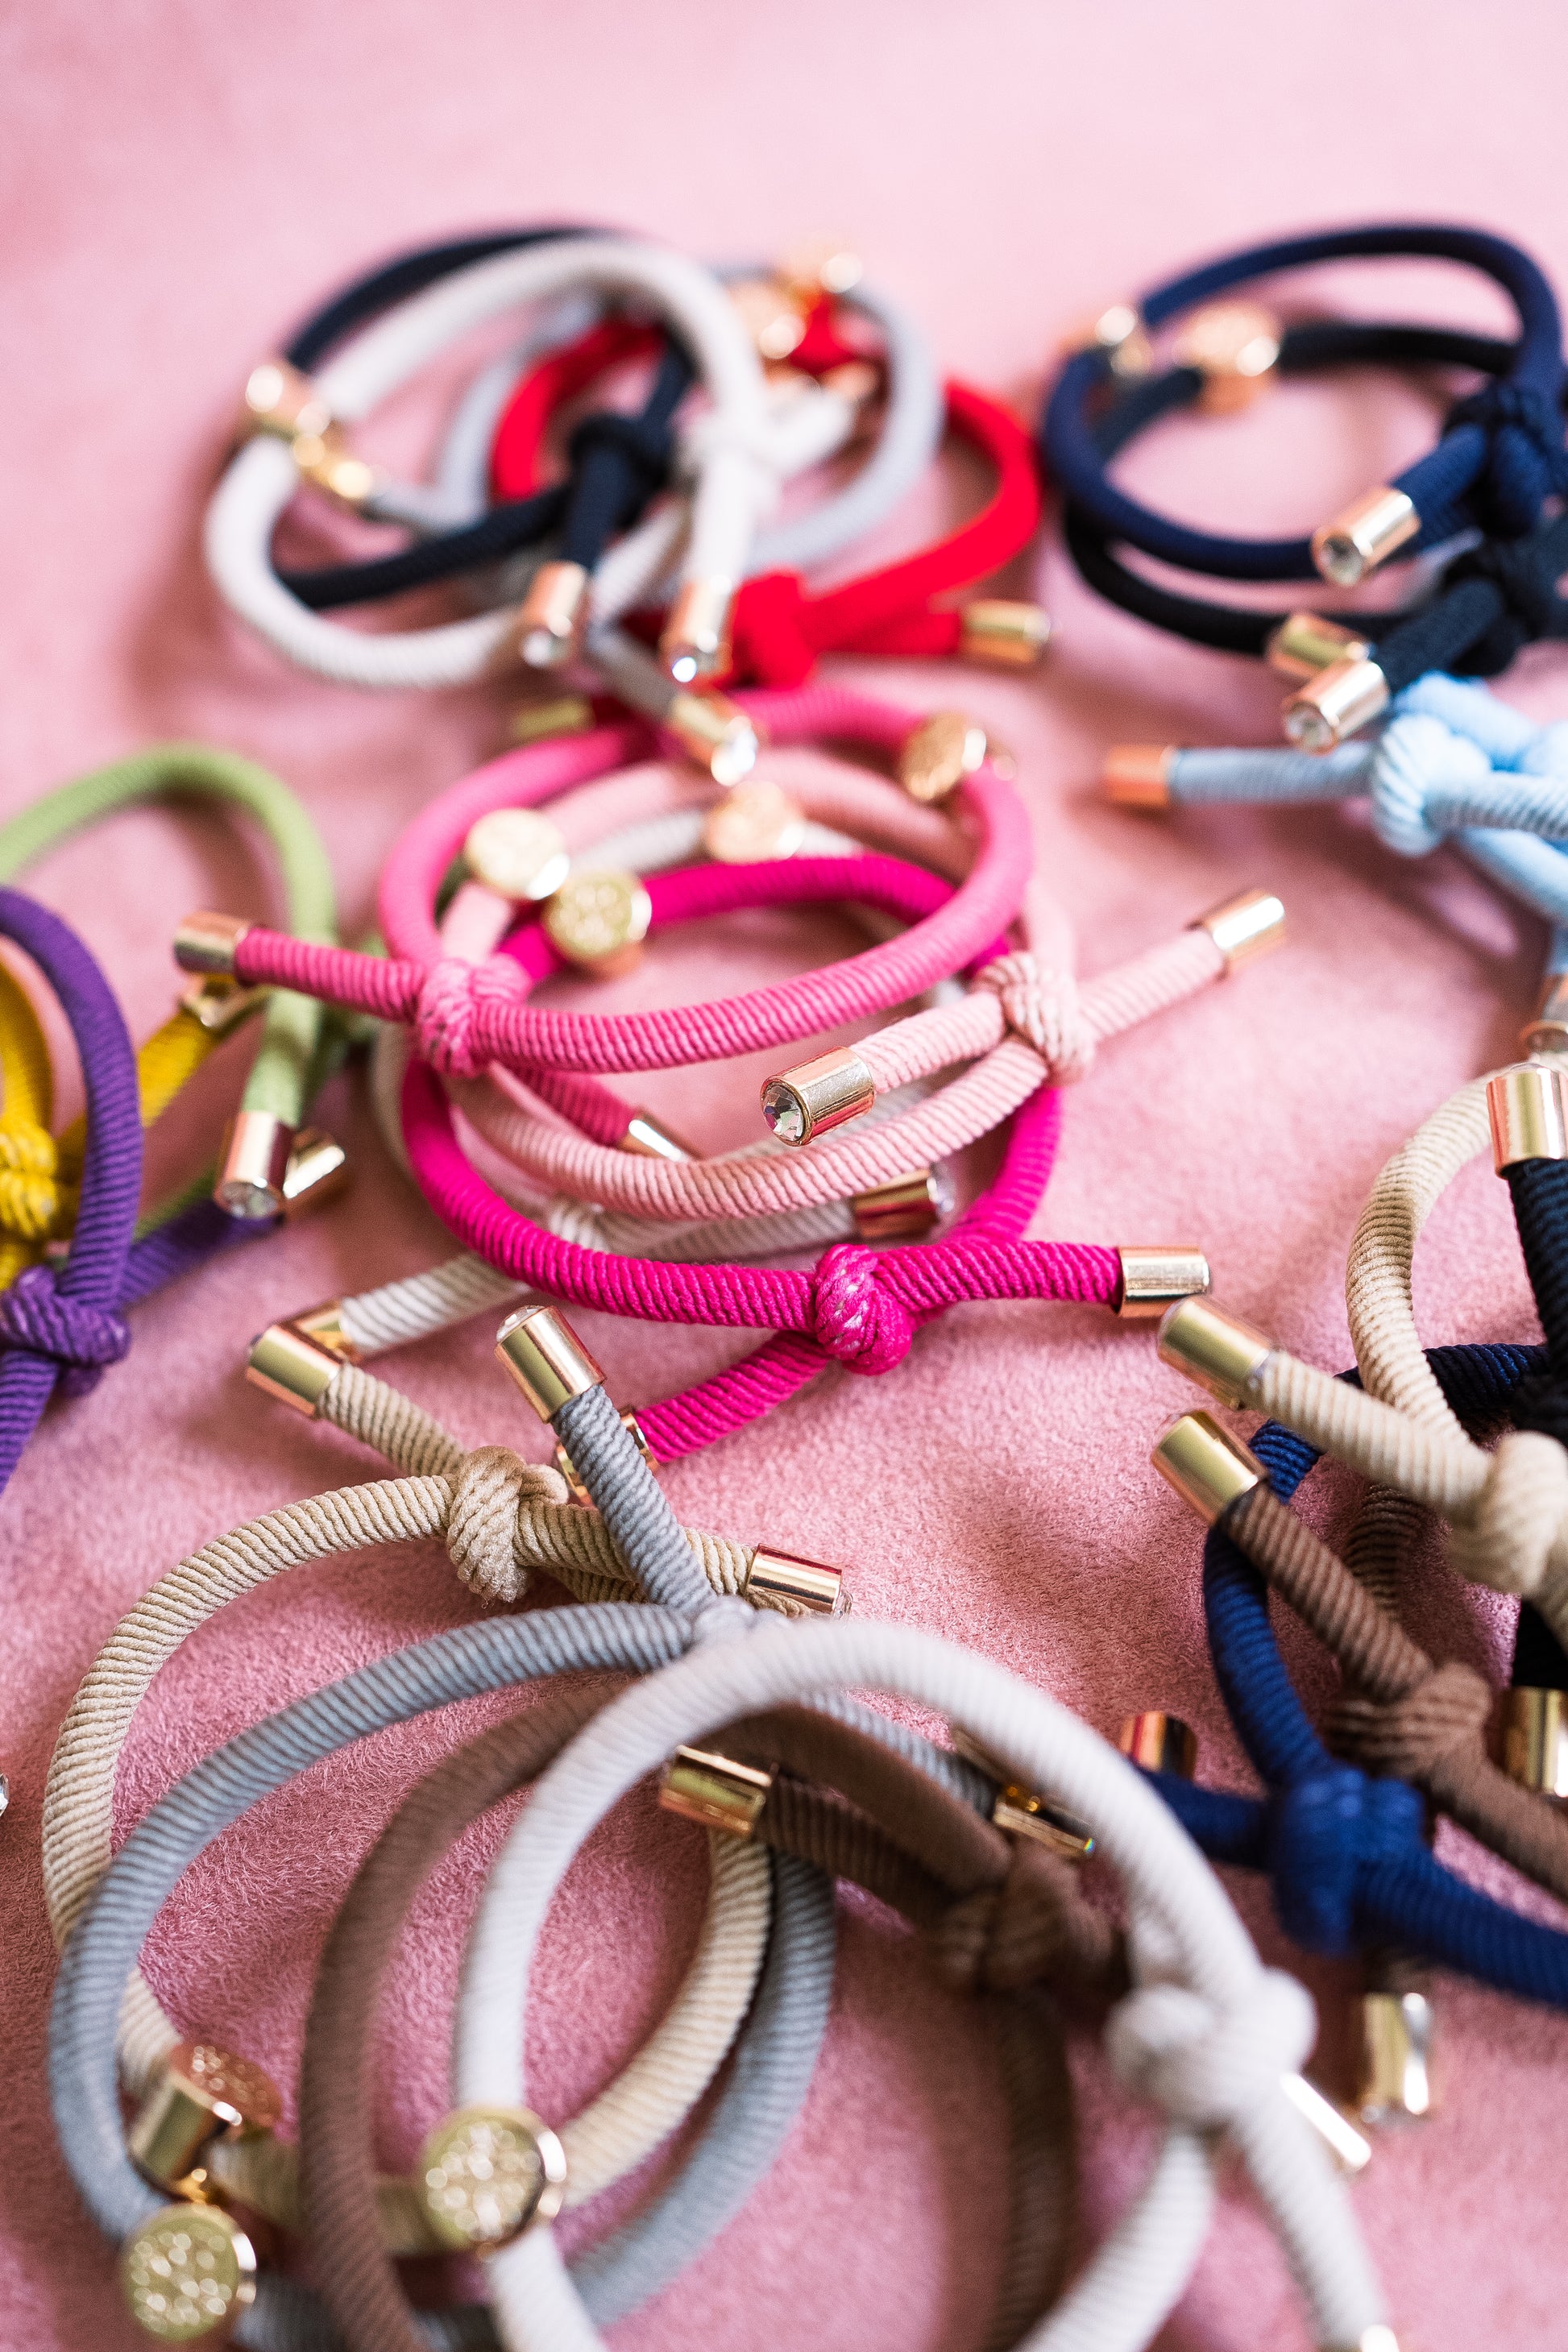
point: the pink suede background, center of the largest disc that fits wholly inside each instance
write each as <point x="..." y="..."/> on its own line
<point x="179" y="183"/>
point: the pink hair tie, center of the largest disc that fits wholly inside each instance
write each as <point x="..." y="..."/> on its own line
<point x="465" y="1018"/>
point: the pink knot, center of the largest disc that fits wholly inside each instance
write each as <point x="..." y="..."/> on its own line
<point x="1043" y="1008"/>
<point x="854" y="1319"/>
<point x="450" y="1030"/>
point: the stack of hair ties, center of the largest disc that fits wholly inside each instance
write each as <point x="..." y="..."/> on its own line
<point x="643" y="523"/>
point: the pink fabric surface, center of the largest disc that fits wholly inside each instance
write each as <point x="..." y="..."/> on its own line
<point x="181" y="183"/>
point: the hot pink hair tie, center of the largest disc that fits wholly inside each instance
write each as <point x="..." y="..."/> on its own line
<point x="464" y="1017"/>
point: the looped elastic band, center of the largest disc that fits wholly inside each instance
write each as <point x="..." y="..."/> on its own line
<point x="37" y="1318"/>
<point x="1526" y="462"/>
<point x="1044" y="1008"/>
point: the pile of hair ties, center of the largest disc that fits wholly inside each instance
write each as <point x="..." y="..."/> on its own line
<point x="643" y="522"/>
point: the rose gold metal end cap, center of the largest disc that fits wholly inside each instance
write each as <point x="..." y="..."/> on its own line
<point x="550" y="618"/>
<point x="540" y="716"/>
<point x="1235" y="346"/>
<point x="1160" y="1742"/>
<point x="294" y="1365"/>
<point x="651" y="1140"/>
<point x="1154" y="1276"/>
<point x="1218" y="1350"/>
<point x="546" y="1359"/>
<point x="903" y="1209"/>
<point x="815" y="1097"/>
<point x="1003" y="630"/>
<point x="568" y="1468"/>
<point x="1208" y="1467"/>
<point x="694" y="641"/>
<point x="1305" y="643"/>
<point x="253" y="1167"/>
<point x="1251" y="924"/>
<point x="1138" y="775"/>
<point x="1547" y="1032"/>
<point x="1363" y="535"/>
<point x="1341" y="701"/>
<point x="317" y="1171"/>
<point x="1525" y="1109"/>
<point x="1534" y="1726"/>
<point x="207" y="942"/>
<point x="776" y="1580"/>
<point x="714" y="1790"/>
<point x="715" y="732"/>
<point x="1394" y="2082"/>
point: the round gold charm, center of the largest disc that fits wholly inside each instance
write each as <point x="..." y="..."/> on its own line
<point x="188" y="2273"/>
<point x="487" y="2174"/>
<point x="1235" y="348"/>
<point x="516" y="852"/>
<point x="239" y="2093"/>
<point x="752" y="823"/>
<point x="942" y="750"/>
<point x="599" y="921"/>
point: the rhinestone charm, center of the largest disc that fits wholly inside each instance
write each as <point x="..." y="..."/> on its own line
<point x="487" y="2174"/>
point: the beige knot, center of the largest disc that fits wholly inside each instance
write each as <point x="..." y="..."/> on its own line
<point x="1408" y="1737"/>
<point x="482" y="1531"/>
<point x="1506" y="1538"/>
<point x="1032" y="1926"/>
<point x="1043" y="1008"/>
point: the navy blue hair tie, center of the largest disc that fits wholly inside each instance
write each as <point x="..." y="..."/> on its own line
<point x="1501" y="456"/>
<point x="1346" y="1853"/>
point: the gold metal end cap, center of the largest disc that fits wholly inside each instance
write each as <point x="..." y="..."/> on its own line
<point x="651" y="1140"/>
<point x="318" y="1170"/>
<point x="201" y="2093"/>
<point x="1338" y="702"/>
<point x="1160" y="1742"/>
<point x="1548" y="1031"/>
<point x="1208" y="1467"/>
<point x="293" y="1365"/>
<point x="1003" y="630"/>
<point x="815" y="1097"/>
<point x="188" y="2275"/>
<point x="694" y="641"/>
<point x="1534" y="1728"/>
<point x="207" y="942"/>
<point x="540" y="716"/>
<point x="568" y="1468"/>
<point x="253" y="1167"/>
<point x="903" y="1209"/>
<point x="1306" y="643"/>
<point x="715" y="732"/>
<point x="753" y="824"/>
<point x="939" y="753"/>
<point x="487" y="2174"/>
<point x="1218" y="1350"/>
<point x="1019" y="1811"/>
<point x="546" y="1359"/>
<point x="1119" y="332"/>
<point x="1155" y="1275"/>
<point x="218" y="1004"/>
<point x="806" y="1586"/>
<point x="819" y="266"/>
<point x="1235" y="346"/>
<point x="1525" y="1109"/>
<point x="1394" y="2082"/>
<point x="518" y="853"/>
<point x="1363" y="535"/>
<point x="550" y="618"/>
<point x="701" y="1785"/>
<point x="1250" y="925"/>
<point x="281" y="399"/>
<point x="1138" y="775"/>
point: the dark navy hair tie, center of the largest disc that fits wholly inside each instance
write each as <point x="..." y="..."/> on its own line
<point x="1501" y="456"/>
<point x="1346" y="1853"/>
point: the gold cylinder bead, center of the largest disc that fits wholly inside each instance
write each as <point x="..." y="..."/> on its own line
<point x="1337" y="703"/>
<point x="282" y="400"/>
<point x="253" y="1166"/>
<point x="599" y="921"/>
<point x="1525" y="1109"/>
<point x="1535" y="1739"/>
<point x="1251" y="924"/>
<point x="901" y="1210"/>
<point x="1218" y="1350"/>
<point x="694" y="641"/>
<point x="1235" y="346"/>
<point x="187" y="2273"/>
<point x="218" y="1004"/>
<point x="1548" y="1031"/>
<point x="753" y="824"/>
<point x="1363" y="535"/>
<point x="803" y="1584"/>
<point x="651" y="1140"/>
<point x="317" y="1171"/>
<point x="939" y="753"/>
<point x="1020" y="1811"/>
<point x="201" y="2095"/>
<point x="715" y="732"/>
<point x="568" y="1468"/>
<point x="1160" y="1742"/>
<point x="1003" y="630"/>
<point x="544" y="715"/>
<point x="1138" y="775"/>
<point x="518" y="853"/>
<point x="207" y="942"/>
<point x="817" y="1095"/>
<point x="1155" y="1275"/>
<point x="546" y="1359"/>
<point x="487" y="2174"/>
<point x="550" y="618"/>
<point x="294" y="1365"/>
<point x="702" y="1785"/>
<point x="1394" y="2082"/>
<point x="1208" y="1467"/>
<point x="1305" y="643"/>
<point x="1119" y="332"/>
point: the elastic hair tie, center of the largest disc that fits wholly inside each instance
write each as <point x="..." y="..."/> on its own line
<point x="261" y="479"/>
<point x="271" y="1163"/>
<point x="1210" y="2043"/>
<point x="1501" y="455"/>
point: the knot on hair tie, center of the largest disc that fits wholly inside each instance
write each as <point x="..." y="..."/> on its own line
<point x="1323" y="1834"/>
<point x="1528" y="586"/>
<point x="1526" y="460"/>
<point x="768" y="638"/>
<point x="1507" y="1536"/>
<point x="32" y="1201"/>
<point x="645" y="447"/>
<point x="1209" y="2067"/>
<point x="448" y="1020"/>
<point x="1416" y="759"/>
<point x="1032" y="1926"/>
<point x="725" y="1618"/>
<point x="1042" y="1006"/>
<point x="484" y="1534"/>
<point x="1408" y="1735"/>
<point x="40" y="1320"/>
<point x="854" y="1319"/>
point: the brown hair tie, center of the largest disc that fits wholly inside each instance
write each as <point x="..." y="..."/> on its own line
<point x="346" y="2213"/>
